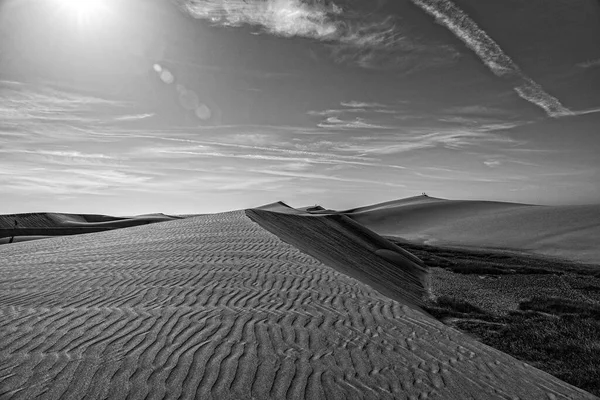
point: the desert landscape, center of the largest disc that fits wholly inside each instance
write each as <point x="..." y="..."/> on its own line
<point x="215" y="199"/>
<point x="272" y="303"/>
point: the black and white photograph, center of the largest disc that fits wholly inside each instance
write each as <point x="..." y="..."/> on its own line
<point x="299" y="199"/>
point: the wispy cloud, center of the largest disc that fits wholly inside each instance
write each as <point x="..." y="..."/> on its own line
<point x="373" y="41"/>
<point x="208" y="144"/>
<point x="476" y="110"/>
<point x="330" y="112"/>
<point x="386" y="116"/>
<point x="279" y="17"/>
<point x="463" y="176"/>
<point x="248" y="182"/>
<point x="357" y="123"/>
<point x="590" y="64"/>
<point x="134" y="117"/>
<point x="458" y="22"/>
<point x="70" y="180"/>
<point x="384" y="43"/>
<point x="25" y="104"/>
<point x="423" y="138"/>
<point x="267" y="157"/>
<point x="492" y="163"/>
<point x="585" y="112"/>
<point x="64" y="154"/>
<point x="53" y="143"/>
<point x="460" y="175"/>
<point x="311" y="176"/>
<point x="15" y="155"/>
<point x="90" y="153"/>
<point x="354" y="110"/>
<point x="362" y="104"/>
<point x="498" y="160"/>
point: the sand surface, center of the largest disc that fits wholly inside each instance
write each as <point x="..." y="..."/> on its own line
<point x="217" y="307"/>
<point x="571" y="232"/>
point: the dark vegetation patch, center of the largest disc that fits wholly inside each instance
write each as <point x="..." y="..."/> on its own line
<point x="560" y="336"/>
<point x="488" y="262"/>
<point x="591" y="288"/>
<point x="562" y="307"/>
<point x="566" y="346"/>
<point x="452" y="307"/>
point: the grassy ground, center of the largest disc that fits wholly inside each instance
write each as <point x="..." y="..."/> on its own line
<point x="559" y="334"/>
<point x="495" y="262"/>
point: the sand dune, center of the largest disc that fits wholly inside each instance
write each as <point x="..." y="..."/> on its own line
<point x="18" y="239"/>
<point x="34" y="226"/>
<point x="395" y="203"/>
<point x="217" y="307"/>
<point x="566" y="231"/>
<point x="350" y="248"/>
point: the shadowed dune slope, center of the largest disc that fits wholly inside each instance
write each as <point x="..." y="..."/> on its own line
<point x="350" y="248"/>
<point x="216" y="307"/>
<point x="33" y="226"/>
<point x="565" y="231"/>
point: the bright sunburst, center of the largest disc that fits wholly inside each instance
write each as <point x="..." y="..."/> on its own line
<point x="84" y="12"/>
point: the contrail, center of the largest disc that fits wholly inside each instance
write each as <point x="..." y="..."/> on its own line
<point x="458" y="22"/>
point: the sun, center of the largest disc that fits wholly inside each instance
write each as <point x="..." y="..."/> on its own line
<point x="84" y="12"/>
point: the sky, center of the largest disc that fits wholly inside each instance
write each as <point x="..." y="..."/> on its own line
<point x="128" y="107"/>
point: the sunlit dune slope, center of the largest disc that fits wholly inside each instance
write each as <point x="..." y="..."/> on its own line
<point x="216" y="307"/>
<point x="567" y="231"/>
<point x="396" y="203"/>
<point x="33" y="226"/>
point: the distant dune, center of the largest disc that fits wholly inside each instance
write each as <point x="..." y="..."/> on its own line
<point x="33" y="226"/>
<point x="273" y="303"/>
<point x="571" y="232"/>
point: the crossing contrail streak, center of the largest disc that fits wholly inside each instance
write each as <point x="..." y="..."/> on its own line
<point x="458" y="22"/>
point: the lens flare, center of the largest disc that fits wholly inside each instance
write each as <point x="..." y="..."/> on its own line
<point x="203" y="112"/>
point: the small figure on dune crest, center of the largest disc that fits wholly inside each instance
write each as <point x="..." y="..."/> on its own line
<point x="424" y="194"/>
<point x="14" y="232"/>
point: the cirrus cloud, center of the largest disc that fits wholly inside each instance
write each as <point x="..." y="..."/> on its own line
<point x="372" y="41"/>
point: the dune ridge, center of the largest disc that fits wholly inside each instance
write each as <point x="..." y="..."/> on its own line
<point x="34" y="226"/>
<point x="217" y="307"/>
<point x="569" y="232"/>
<point x="395" y="203"/>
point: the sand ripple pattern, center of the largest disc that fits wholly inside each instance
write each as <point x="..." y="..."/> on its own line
<point x="215" y="307"/>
